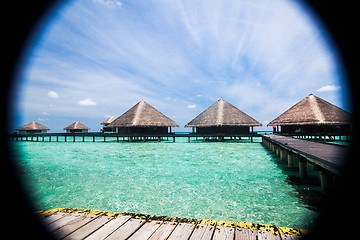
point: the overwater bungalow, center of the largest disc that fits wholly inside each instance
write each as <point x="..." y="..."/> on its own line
<point x="77" y="127"/>
<point x="33" y="127"/>
<point x="142" y="119"/>
<point x="313" y="116"/>
<point x="222" y="118"/>
<point x="105" y="124"/>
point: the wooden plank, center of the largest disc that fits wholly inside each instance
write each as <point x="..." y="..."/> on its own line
<point x="268" y="232"/>
<point x="163" y="231"/>
<point x="89" y="228"/>
<point x="51" y="217"/>
<point x="245" y="231"/>
<point x="73" y="225"/>
<point x="204" y="230"/>
<point x="223" y="233"/>
<point x="182" y="231"/>
<point x="63" y="221"/>
<point x="108" y="228"/>
<point x="289" y="233"/>
<point x="146" y="230"/>
<point x="127" y="229"/>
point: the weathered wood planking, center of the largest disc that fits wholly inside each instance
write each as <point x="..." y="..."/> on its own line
<point x="127" y="229"/>
<point x="73" y="225"/>
<point x="89" y="228"/>
<point x="268" y="232"/>
<point x="164" y="231"/>
<point x="108" y="228"/>
<point x="182" y="231"/>
<point x="245" y="231"/>
<point x="89" y="224"/>
<point x="327" y="156"/>
<point x="204" y="230"/>
<point x="146" y="230"/>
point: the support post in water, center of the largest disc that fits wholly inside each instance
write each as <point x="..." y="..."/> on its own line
<point x="290" y="158"/>
<point x="303" y="168"/>
<point x="327" y="182"/>
<point x="282" y="154"/>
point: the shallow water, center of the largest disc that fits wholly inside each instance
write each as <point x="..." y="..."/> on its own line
<point x="213" y="180"/>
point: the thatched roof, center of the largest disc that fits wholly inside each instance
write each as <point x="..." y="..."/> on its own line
<point x="143" y="115"/>
<point x="32" y="126"/>
<point x="109" y="120"/>
<point x="222" y="113"/>
<point x="313" y="110"/>
<point x="76" y="125"/>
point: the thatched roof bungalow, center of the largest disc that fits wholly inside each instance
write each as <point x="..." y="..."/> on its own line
<point x="77" y="127"/>
<point x="33" y="127"/>
<point x="105" y="124"/>
<point x="222" y="117"/>
<point x="142" y="118"/>
<point x="313" y="115"/>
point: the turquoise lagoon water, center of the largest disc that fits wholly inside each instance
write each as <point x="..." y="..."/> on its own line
<point x="213" y="180"/>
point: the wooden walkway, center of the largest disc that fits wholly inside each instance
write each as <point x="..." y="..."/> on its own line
<point x="70" y="223"/>
<point x="97" y="136"/>
<point x="326" y="156"/>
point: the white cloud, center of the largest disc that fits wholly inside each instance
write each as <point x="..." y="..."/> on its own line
<point x="191" y="106"/>
<point x="45" y="113"/>
<point x="328" y="88"/>
<point x="53" y="94"/>
<point x="109" y="3"/>
<point x="87" y="102"/>
<point x="43" y="119"/>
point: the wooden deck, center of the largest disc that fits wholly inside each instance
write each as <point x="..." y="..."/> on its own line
<point x="70" y="223"/>
<point x="327" y="156"/>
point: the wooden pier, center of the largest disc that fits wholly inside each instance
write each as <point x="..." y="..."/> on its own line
<point x="71" y="223"/>
<point x="330" y="159"/>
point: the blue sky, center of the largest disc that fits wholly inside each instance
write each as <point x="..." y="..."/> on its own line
<point x="96" y="58"/>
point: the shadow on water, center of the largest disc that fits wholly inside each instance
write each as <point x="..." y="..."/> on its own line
<point x="308" y="191"/>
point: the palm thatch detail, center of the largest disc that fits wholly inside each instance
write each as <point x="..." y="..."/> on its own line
<point x="313" y="110"/>
<point x="32" y="126"/>
<point x="222" y="113"/>
<point x="143" y="115"/>
<point x="76" y="126"/>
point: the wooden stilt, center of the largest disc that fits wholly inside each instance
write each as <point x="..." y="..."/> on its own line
<point x="290" y="158"/>
<point x="327" y="182"/>
<point x="303" y="169"/>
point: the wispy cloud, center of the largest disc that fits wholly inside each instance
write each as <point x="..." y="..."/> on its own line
<point x="52" y="94"/>
<point x="328" y="88"/>
<point x="87" y="102"/>
<point x="109" y="3"/>
<point x="261" y="56"/>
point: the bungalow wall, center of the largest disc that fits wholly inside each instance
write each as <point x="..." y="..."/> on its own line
<point x="142" y="130"/>
<point x="77" y="130"/>
<point x="108" y="129"/>
<point x="316" y="129"/>
<point x="223" y="130"/>
<point x="32" y="131"/>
